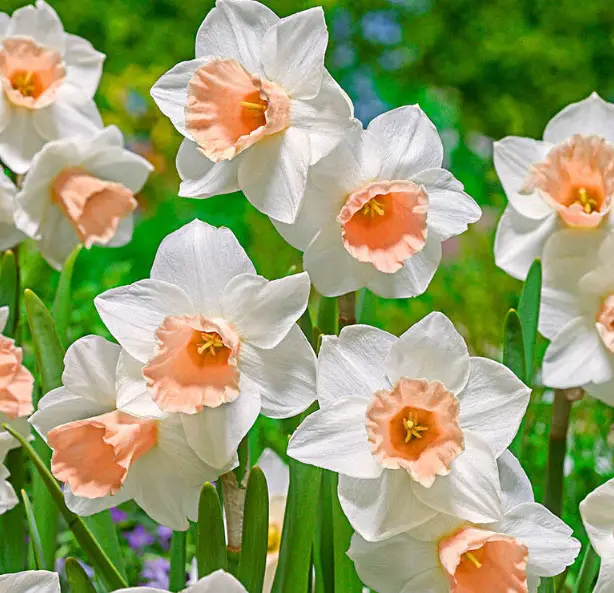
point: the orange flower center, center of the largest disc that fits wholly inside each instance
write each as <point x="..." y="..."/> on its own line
<point x="16" y="382"/>
<point x="605" y="322"/>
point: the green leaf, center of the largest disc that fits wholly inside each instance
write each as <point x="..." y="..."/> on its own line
<point x="243" y="454"/>
<point x="9" y="291"/>
<point x="300" y="523"/>
<point x="77" y="577"/>
<point x="49" y="354"/>
<point x="177" y="574"/>
<point x="324" y="554"/>
<point x="13" y="548"/>
<point x="211" y="541"/>
<point x="103" y="529"/>
<point x="35" y="540"/>
<point x="513" y="345"/>
<point x="528" y="311"/>
<point x="255" y="537"/>
<point x="328" y="316"/>
<point x="588" y="571"/>
<point x="62" y="305"/>
<point x="546" y="586"/>
<point x="97" y="557"/>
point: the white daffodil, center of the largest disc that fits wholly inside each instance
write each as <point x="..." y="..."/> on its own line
<point x="30" y="581"/>
<point x="564" y="180"/>
<point x="218" y="343"/>
<point x="8" y="497"/>
<point x="9" y="234"/>
<point x="577" y="312"/>
<point x="81" y="190"/>
<point x="377" y="209"/>
<point x="256" y="106"/>
<point x="216" y="582"/>
<point x="48" y="80"/>
<point x="277" y="477"/>
<point x="413" y="425"/>
<point x="597" y="511"/>
<point x="447" y="555"/>
<point x="111" y="443"/>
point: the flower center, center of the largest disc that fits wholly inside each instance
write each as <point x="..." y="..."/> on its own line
<point x="31" y="74"/>
<point x="576" y="179"/>
<point x="228" y="109"/>
<point x="384" y="223"/>
<point x="605" y="322"/>
<point x="415" y="427"/>
<point x="195" y="364"/>
<point x="471" y="557"/>
<point x="16" y="382"/>
<point x="274" y="541"/>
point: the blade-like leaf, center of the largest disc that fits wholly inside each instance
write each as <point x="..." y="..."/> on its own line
<point x="324" y="553"/>
<point x="9" y="291"/>
<point x="328" y="315"/>
<point x="254" y="542"/>
<point x="102" y="527"/>
<point x="177" y="574"/>
<point x="35" y="540"/>
<point x="546" y="586"/>
<point x="13" y="547"/>
<point x="528" y="311"/>
<point x="513" y="345"/>
<point x="62" y="305"/>
<point x="97" y="557"/>
<point x="211" y="543"/>
<point x="77" y="577"/>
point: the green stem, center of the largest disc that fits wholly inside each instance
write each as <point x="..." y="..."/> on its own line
<point x="557" y="447"/>
<point x="347" y="309"/>
<point x="13" y="522"/>
<point x="177" y="576"/>
<point x="588" y="571"/>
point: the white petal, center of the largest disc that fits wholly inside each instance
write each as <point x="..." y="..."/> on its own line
<point x="327" y="117"/>
<point x="134" y="313"/>
<point x="5" y="20"/>
<point x="520" y="240"/>
<point x="388" y="566"/>
<point x="39" y="22"/>
<point x="431" y="349"/>
<point x="513" y="158"/>
<point x="4" y="317"/>
<point x="603" y="391"/>
<point x="293" y="52"/>
<point x="551" y="547"/>
<point x="384" y="507"/>
<point x="333" y="271"/>
<point x="57" y="238"/>
<point x="471" y="490"/>
<point x="276" y="472"/>
<point x="285" y="374"/>
<point x="264" y="311"/>
<point x="218" y="581"/>
<point x="215" y="433"/>
<point x="235" y="29"/>
<point x="413" y="278"/>
<point x="353" y="364"/>
<point x="516" y="487"/>
<point x="557" y="309"/>
<point x="409" y="140"/>
<point x="65" y="118"/>
<point x="335" y="438"/>
<point x="8" y="498"/>
<point x="591" y="116"/>
<point x="429" y="581"/>
<point x="30" y="581"/>
<point x="201" y="259"/>
<point x="19" y="140"/>
<point x="202" y="178"/>
<point x="85" y="507"/>
<point x="124" y="232"/>
<point x="273" y="173"/>
<point x="597" y="513"/>
<point x="450" y="208"/>
<point x="605" y="580"/>
<point x="577" y="356"/>
<point x="84" y="65"/>
<point x="170" y="92"/>
<point x="9" y="236"/>
<point x="493" y="403"/>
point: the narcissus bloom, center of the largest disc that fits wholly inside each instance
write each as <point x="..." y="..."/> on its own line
<point x="48" y="79"/>
<point x="81" y="190"/>
<point x="564" y="180"/>
<point x="451" y="556"/>
<point x="30" y="581"/>
<point x="8" y="497"/>
<point x="9" y="234"/>
<point x="111" y="443"/>
<point x="216" y="582"/>
<point x="577" y="312"/>
<point x="16" y="381"/>
<point x="597" y="511"/>
<point x="218" y="343"/>
<point x="377" y="209"/>
<point x="256" y="106"/>
<point x="413" y="425"/>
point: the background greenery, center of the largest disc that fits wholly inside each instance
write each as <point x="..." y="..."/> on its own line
<point x="480" y="70"/>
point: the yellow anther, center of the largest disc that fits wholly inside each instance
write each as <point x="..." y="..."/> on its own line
<point x="413" y="429"/>
<point x="588" y="204"/>
<point x="211" y="342"/>
<point x="373" y="208"/>
<point x="274" y="538"/>
<point x="254" y="106"/>
<point x="473" y="560"/>
<point x="22" y="82"/>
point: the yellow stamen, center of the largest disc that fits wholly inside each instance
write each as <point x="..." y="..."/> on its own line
<point x="373" y="208"/>
<point x="274" y="538"/>
<point x="474" y="560"/>
<point x="211" y="343"/>
<point x="255" y="106"/>
<point x="23" y="83"/>
<point x="412" y="428"/>
<point x="588" y="204"/>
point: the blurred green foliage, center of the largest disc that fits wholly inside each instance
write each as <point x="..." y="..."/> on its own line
<point x="480" y="70"/>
